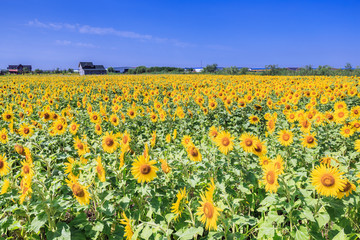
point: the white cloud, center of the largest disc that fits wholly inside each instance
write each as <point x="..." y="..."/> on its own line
<point x="86" y="29"/>
<point x="77" y="44"/>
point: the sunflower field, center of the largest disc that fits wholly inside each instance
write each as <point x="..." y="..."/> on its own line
<point x="179" y="157"/>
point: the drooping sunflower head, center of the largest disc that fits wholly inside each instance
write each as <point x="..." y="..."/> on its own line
<point x="4" y="166"/>
<point x="327" y="180"/>
<point x="348" y="188"/>
<point x="80" y="192"/>
<point x="178" y="207"/>
<point x="194" y="153"/>
<point x="309" y="141"/>
<point x="270" y="178"/>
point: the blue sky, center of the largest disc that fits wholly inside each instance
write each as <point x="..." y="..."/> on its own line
<point x="50" y="34"/>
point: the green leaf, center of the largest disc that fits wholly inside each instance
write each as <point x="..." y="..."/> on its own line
<point x="146" y="232"/>
<point x="307" y="214"/>
<point x="38" y="222"/>
<point x="322" y="219"/>
<point x="302" y="233"/>
<point x="340" y="236"/>
<point x="62" y="232"/>
<point x="190" y="233"/>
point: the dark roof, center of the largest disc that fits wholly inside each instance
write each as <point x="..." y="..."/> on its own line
<point x="86" y="64"/>
<point x="17" y="66"/>
<point x="90" y="66"/>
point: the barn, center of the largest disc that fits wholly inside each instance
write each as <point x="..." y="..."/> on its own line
<point x="88" y="68"/>
<point x="16" y="69"/>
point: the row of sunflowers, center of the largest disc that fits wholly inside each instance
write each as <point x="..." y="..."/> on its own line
<point x="179" y="157"/>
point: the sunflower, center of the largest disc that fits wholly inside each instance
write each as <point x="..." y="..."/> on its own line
<point x="285" y="137"/>
<point x="254" y="119"/>
<point x="357" y="145"/>
<point x="168" y="138"/>
<point x="355" y="112"/>
<point x="72" y="167"/>
<point x="212" y="104"/>
<point x="270" y="178"/>
<point x="186" y="141"/>
<point x="8" y="116"/>
<point x="278" y="163"/>
<point x="98" y="129"/>
<point x="114" y="119"/>
<point x="224" y="141"/>
<point x="327" y="180"/>
<point x="5" y="186"/>
<point x="349" y="187"/>
<point x="309" y="140"/>
<point x="264" y="160"/>
<point x="109" y="142"/>
<point x="131" y="113"/>
<point x="328" y="160"/>
<point x="178" y="207"/>
<point x="100" y="170"/>
<point x="347" y="131"/>
<point x="340" y="115"/>
<point x="305" y="125"/>
<point x="270" y="125"/>
<point x="247" y="142"/>
<point x="128" y="231"/>
<point x="26" y="130"/>
<point x="259" y="148"/>
<point x="165" y="166"/>
<point x="73" y="128"/>
<point x="208" y="212"/>
<point x="174" y="134"/>
<point x="80" y="146"/>
<point x="59" y="127"/>
<point x="193" y="153"/>
<point x="27" y="169"/>
<point x="125" y="141"/>
<point x="80" y="192"/>
<point x="143" y="169"/>
<point x="213" y="133"/>
<point x="153" y="117"/>
<point x="4" y="166"/>
<point x="95" y="117"/>
<point x="26" y="189"/>
<point x="153" y="139"/>
<point x="3" y="136"/>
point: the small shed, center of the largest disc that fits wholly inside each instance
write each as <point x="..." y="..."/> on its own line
<point x="88" y="68"/>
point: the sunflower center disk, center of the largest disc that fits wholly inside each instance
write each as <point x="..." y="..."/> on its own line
<point x="1" y="164"/>
<point x="26" y="169"/>
<point x="208" y="210"/>
<point x="286" y="137"/>
<point x="145" y="169"/>
<point x="60" y="127"/>
<point x="77" y="190"/>
<point x="270" y="177"/>
<point x="310" y="139"/>
<point x="3" y="136"/>
<point x="194" y="152"/>
<point x="109" y="142"/>
<point x="80" y="146"/>
<point x="328" y="180"/>
<point x="248" y="142"/>
<point x="26" y="130"/>
<point x="226" y="142"/>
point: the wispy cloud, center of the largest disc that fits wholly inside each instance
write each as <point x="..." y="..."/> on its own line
<point x="76" y="44"/>
<point x="86" y="29"/>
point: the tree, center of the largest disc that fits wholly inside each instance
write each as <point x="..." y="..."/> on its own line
<point x="244" y="70"/>
<point x="140" y="69"/>
<point x="70" y="70"/>
<point x="38" y="71"/>
<point x="210" y="68"/>
<point x="26" y="70"/>
<point x="110" y="70"/>
<point x="231" y="70"/>
<point x="348" y="67"/>
<point x="273" y="69"/>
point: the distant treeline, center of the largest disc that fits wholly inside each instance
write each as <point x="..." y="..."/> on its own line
<point x="325" y="70"/>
